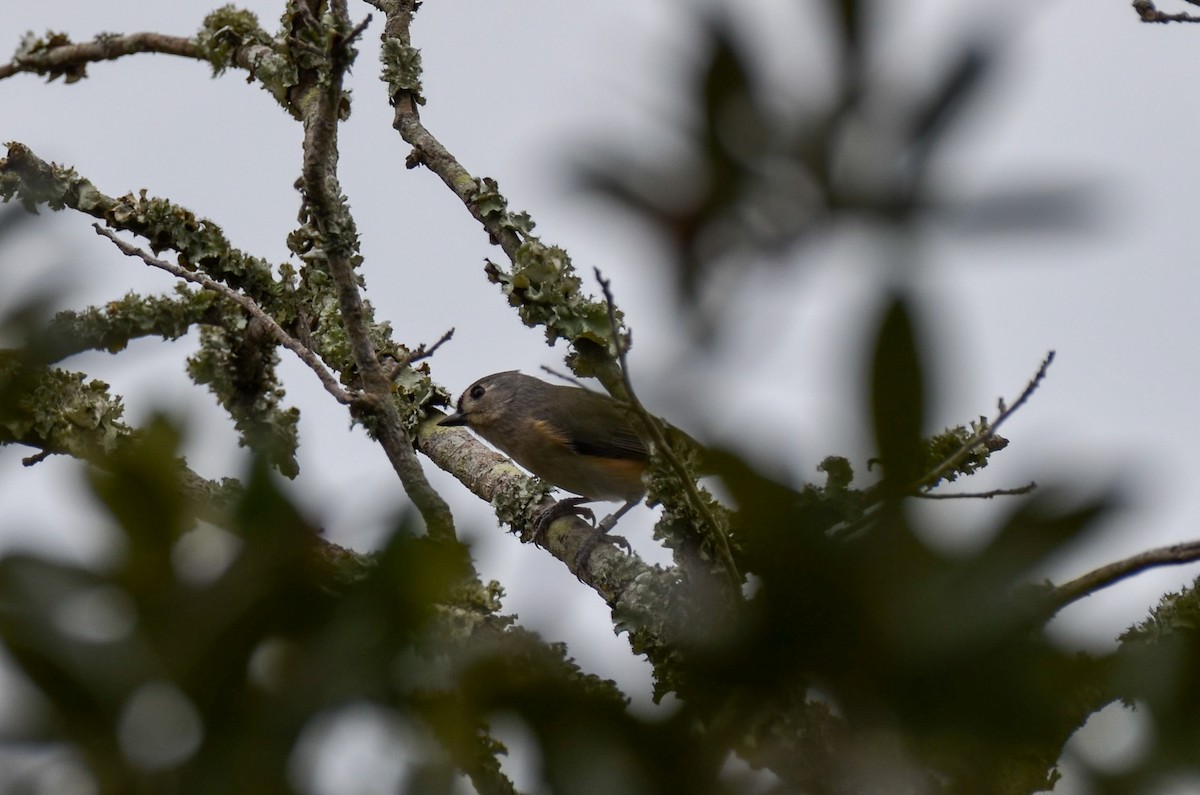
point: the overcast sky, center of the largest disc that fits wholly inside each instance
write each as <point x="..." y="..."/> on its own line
<point x="516" y="90"/>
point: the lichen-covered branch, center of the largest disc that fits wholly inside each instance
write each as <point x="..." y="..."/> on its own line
<point x="200" y="243"/>
<point x="542" y="282"/>
<point x="320" y="98"/>
<point x="229" y="37"/>
<point x="55" y="55"/>
<point x="254" y="310"/>
<point x="114" y="325"/>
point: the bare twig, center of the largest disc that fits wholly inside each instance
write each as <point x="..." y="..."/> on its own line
<point x="36" y="458"/>
<point x="1095" y="580"/>
<point x="653" y="428"/>
<point x="416" y="355"/>
<point x="570" y="379"/>
<point x="331" y="218"/>
<point x="981" y="495"/>
<point x="1149" y="13"/>
<point x="282" y="337"/>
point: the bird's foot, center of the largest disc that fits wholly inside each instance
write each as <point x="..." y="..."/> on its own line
<point x="592" y="541"/>
<point x="574" y="506"/>
<point x="569" y="507"/>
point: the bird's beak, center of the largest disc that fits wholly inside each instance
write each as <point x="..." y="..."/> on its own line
<point x="458" y="418"/>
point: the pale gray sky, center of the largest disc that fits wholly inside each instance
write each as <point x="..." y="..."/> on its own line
<point x="516" y="89"/>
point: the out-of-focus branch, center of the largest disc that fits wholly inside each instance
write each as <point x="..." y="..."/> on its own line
<point x="1097" y="579"/>
<point x="987" y="433"/>
<point x="1150" y="13"/>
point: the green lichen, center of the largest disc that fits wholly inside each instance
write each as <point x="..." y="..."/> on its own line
<point x="224" y="32"/>
<point x="544" y="288"/>
<point x="238" y="364"/>
<point x="112" y="326"/>
<point x="32" y="51"/>
<point x="401" y="69"/>
<point x="58" y="410"/>
<point x="230" y="31"/>
<point x="518" y="504"/>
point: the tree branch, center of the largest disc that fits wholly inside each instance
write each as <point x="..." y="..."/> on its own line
<point x="980" y="495"/>
<point x="1149" y="13"/>
<point x="652" y="426"/>
<point x="201" y="244"/>
<point x="60" y="57"/>
<point x="427" y="149"/>
<point x="625" y="582"/>
<point x="282" y="337"/>
<point x="320" y="102"/>
<point x="1097" y="579"/>
<point x="932" y="477"/>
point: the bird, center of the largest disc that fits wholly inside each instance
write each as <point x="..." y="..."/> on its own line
<point x="575" y="439"/>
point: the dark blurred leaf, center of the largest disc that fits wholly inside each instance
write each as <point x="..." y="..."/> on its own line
<point x="142" y="488"/>
<point x="897" y="398"/>
<point x="849" y="14"/>
<point x="933" y="118"/>
<point x="1061" y="208"/>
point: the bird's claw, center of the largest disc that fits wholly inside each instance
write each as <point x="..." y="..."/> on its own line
<point x="569" y="507"/>
<point x="574" y="507"/>
<point x="589" y="545"/>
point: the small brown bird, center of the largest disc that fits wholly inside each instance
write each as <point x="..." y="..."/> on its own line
<point x="579" y="441"/>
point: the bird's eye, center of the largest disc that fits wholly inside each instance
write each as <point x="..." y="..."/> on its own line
<point x="477" y="392"/>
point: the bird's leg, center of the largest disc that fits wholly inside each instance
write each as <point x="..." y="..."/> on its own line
<point x="602" y="532"/>
<point x="610" y="521"/>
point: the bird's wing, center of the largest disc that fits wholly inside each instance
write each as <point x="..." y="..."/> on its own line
<point x="599" y="427"/>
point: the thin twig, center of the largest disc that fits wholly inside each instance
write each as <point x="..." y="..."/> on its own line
<point x="952" y="460"/>
<point x="36" y="458"/>
<point x="1095" y="580"/>
<point x="416" y="355"/>
<point x="981" y="495"/>
<point x="570" y="379"/>
<point x="653" y="428"/>
<point x="1149" y="13"/>
<point x="282" y="337"/>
